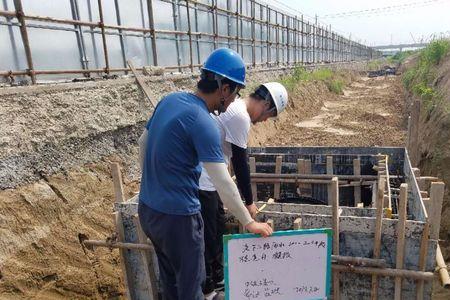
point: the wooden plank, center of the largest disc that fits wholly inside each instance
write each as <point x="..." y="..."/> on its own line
<point x="437" y="190"/>
<point x="147" y="259"/>
<point x="276" y="189"/>
<point x="357" y="189"/>
<point x="423" y="259"/>
<point x="117" y="182"/>
<point x="329" y="172"/>
<point x="141" y="83"/>
<point x="123" y="265"/>
<point x="334" y="188"/>
<point x="401" y="225"/>
<point x="377" y="238"/>
<point x="298" y="223"/>
<point x="252" y="163"/>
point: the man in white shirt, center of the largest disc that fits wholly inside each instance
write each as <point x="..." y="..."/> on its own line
<point x="267" y="101"/>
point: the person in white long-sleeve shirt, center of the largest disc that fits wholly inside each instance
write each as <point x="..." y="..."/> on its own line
<point x="267" y="101"/>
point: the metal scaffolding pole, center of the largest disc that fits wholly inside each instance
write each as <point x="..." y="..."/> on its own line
<point x="121" y="39"/>
<point x="26" y="43"/>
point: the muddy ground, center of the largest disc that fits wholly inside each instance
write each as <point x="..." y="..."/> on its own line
<point x="40" y="256"/>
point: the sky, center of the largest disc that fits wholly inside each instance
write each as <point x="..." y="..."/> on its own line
<point x="418" y="20"/>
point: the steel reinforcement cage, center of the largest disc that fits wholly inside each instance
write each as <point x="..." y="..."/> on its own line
<point x="263" y="35"/>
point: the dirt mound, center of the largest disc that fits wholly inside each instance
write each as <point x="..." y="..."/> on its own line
<point x="39" y="251"/>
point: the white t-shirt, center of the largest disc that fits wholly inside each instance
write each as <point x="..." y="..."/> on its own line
<point x="234" y="126"/>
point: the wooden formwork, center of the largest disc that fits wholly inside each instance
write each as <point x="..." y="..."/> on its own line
<point x="385" y="244"/>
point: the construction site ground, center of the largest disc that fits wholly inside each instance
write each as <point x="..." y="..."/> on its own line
<point x="40" y="256"/>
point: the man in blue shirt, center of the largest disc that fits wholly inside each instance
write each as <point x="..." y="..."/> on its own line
<point x="179" y="135"/>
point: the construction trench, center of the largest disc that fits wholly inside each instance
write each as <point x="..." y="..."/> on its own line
<point x="60" y="184"/>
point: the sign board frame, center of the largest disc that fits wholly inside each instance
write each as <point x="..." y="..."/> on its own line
<point x="327" y="231"/>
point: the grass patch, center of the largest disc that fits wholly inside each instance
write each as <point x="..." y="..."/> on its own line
<point x="421" y="77"/>
<point x="400" y="57"/>
<point x="333" y="80"/>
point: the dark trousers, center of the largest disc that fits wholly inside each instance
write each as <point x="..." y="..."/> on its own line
<point x="214" y="218"/>
<point x="179" y="246"/>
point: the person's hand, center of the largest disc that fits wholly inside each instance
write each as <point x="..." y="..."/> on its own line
<point x="259" y="228"/>
<point x="252" y="209"/>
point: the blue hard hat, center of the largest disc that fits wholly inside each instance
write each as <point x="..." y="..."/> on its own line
<point x="227" y="63"/>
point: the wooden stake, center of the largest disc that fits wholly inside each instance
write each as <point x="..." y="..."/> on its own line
<point x="423" y="258"/>
<point x="377" y="239"/>
<point x="298" y="224"/>
<point x="252" y="162"/>
<point x="118" y="191"/>
<point x="147" y="258"/>
<point x="334" y="197"/>
<point x="401" y="225"/>
<point x="276" y="189"/>
<point x="329" y="172"/>
<point x="436" y="198"/>
<point x="357" y="189"/>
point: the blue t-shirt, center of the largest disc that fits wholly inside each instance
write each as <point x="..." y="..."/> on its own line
<point x="181" y="133"/>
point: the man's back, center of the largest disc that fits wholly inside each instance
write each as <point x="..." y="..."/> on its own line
<point x="181" y="133"/>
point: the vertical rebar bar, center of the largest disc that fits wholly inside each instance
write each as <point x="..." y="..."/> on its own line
<point x="144" y="38"/>
<point x="287" y="23"/>
<point x="253" y="14"/>
<point x="191" y="59"/>
<point x="242" y="28"/>
<point x="277" y="38"/>
<point x="26" y="42"/>
<point x="11" y="38"/>
<point x="121" y="38"/>
<point x="94" y="43"/>
<point x="302" y="33"/>
<point x="229" y="23"/>
<point x="295" y="39"/>
<point x="214" y="22"/>
<point x="102" y="27"/>
<point x="79" y="36"/>
<point x="151" y="23"/>
<point x="261" y="13"/>
<point x="175" y="27"/>
<point x="197" y="38"/>
<point x="237" y="26"/>
<point x="268" y="41"/>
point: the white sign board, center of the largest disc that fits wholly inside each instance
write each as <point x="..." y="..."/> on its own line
<point x="288" y="265"/>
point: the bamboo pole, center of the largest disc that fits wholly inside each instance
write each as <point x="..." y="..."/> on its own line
<point x="334" y="188"/>
<point x="401" y="225"/>
<point x="144" y="87"/>
<point x="359" y="261"/>
<point x="417" y="275"/>
<point x="377" y="238"/>
<point x="442" y="268"/>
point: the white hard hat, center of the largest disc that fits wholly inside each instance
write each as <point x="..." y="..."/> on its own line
<point x="279" y="95"/>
